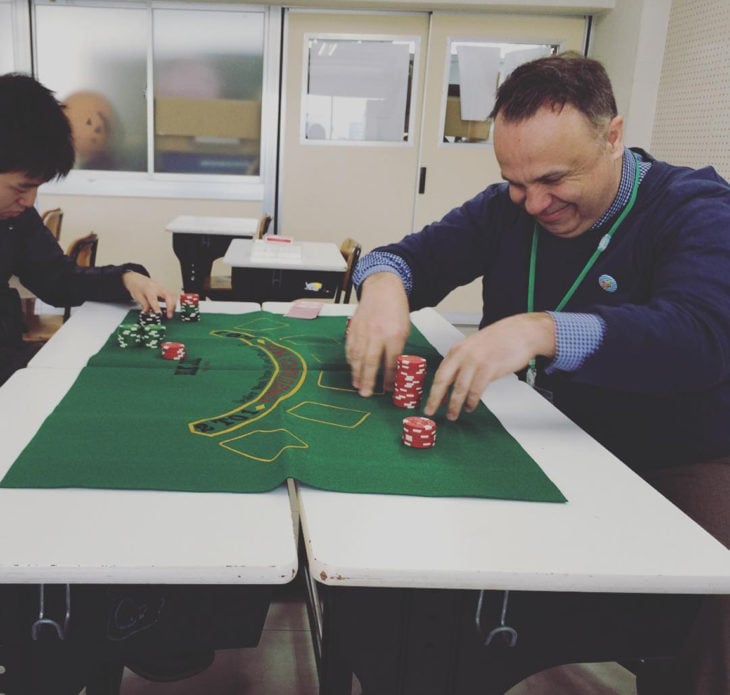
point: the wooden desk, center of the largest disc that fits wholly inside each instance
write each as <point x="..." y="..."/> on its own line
<point x="387" y="556"/>
<point x="198" y="241"/>
<point x="209" y="544"/>
<point x="316" y="272"/>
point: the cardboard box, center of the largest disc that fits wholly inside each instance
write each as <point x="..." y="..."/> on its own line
<point x="455" y="127"/>
<point x="208" y="118"/>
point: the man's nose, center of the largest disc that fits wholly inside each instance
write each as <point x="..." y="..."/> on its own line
<point x="536" y="200"/>
<point x="27" y="198"/>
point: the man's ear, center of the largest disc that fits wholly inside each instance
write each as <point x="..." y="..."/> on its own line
<point x="615" y="138"/>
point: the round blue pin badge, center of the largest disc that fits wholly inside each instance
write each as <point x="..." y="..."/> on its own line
<point x="608" y="283"/>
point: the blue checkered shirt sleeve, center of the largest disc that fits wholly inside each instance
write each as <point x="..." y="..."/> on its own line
<point x="379" y="262"/>
<point x="577" y="337"/>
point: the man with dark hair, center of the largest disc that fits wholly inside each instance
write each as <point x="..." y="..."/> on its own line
<point x="36" y="146"/>
<point x="606" y="286"/>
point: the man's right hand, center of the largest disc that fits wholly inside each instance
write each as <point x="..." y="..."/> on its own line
<point x="378" y="331"/>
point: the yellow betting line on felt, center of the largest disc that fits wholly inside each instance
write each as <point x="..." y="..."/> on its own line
<point x="290" y="370"/>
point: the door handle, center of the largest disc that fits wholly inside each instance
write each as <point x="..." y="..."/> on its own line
<point x="422" y="181"/>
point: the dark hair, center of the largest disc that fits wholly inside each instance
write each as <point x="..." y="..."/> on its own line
<point x="568" y="78"/>
<point x="35" y="135"/>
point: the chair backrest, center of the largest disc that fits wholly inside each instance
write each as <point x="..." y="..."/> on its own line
<point x="83" y="250"/>
<point x="53" y="219"/>
<point x="350" y="250"/>
<point x="263" y="227"/>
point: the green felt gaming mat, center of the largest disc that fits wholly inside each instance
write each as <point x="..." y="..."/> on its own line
<point x="260" y="398"/>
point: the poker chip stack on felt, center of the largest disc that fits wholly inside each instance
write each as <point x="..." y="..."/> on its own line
<point x="153" y="332"/>
<point x="189" y="306"/>
<point x="129" y="335"/>
<point x="419" y="432"/>
<point x="410" y="375"/>
<point x="172" y="351"/>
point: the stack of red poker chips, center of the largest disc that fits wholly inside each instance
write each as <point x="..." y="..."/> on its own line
<point x="172" y="351"/>
<point x="410" y="375"/>
<point x="419" y="432"/>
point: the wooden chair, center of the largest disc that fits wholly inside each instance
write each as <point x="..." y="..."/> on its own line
<point x="41" y="327"/>
<point x="83" y="250"/>
<point x="350" y="250"/>
<point x="53" y="219"/>
<point x="218" y="287"/>
<point x="264" y="224"/>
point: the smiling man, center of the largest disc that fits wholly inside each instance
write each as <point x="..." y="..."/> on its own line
<point x="36" y="146"/>
<point x="606" y="285"/>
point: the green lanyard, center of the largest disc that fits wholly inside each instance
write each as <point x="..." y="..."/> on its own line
<point x="602" y="246"/>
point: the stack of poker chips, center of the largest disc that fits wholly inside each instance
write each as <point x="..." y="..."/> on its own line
<point x="410" y="375"/>
<point x="129" y="335"/>
<point x="419" y="432"/>
<point x="153" y="332"/>
<point x="189" y="306"/>
<point x="172" y="351"/>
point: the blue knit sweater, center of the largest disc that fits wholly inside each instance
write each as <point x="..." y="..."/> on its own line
<point x="657" y="391"/>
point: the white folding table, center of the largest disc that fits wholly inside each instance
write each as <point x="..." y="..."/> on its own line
<point x="302" y="269"/>
<point x="614" y="534"/>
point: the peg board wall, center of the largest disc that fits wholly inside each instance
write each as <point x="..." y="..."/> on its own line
<point x="692" y="120"/>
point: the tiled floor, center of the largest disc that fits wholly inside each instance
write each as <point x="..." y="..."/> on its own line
<point x="283" y="664"/>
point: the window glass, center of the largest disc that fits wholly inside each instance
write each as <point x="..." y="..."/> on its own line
<point x="358" y="89"/>
<point x="165" y="98"/>
<point x="95" y="58"/>
<point x="208" y="73"/>
<point x="476" y="69"/>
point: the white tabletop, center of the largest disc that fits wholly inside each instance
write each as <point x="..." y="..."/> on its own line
<point x="122" y="536"/>
<point x="314" y="255"/>
<point x="90" y="325"/>
<point x="614" y="534"/>
<point x="223" y="226"/>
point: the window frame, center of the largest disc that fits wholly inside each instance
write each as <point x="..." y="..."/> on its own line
<point x="355" y="37"/>
<point x="555" y="46"/>
<point x="151" y="184"/>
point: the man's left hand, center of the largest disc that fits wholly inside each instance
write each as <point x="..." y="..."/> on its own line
<point x="502" y="348"/>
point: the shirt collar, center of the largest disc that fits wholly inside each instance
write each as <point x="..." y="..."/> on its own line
<point x="628" y="169"/>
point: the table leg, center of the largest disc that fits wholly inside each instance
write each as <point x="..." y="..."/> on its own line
<point x="426" y="642"/>
<point x="196" y="253"/>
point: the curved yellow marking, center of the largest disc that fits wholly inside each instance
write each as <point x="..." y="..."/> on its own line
<point x="363" y="414"/>
<point x="259" y="343"/>
<point x="338" y="388"/>
<point x="302" y="445"/>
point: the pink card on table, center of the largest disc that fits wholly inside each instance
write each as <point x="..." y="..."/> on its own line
<point x="304" y="309"/>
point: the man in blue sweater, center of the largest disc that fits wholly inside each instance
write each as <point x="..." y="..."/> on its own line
<point x="606" y="285"/>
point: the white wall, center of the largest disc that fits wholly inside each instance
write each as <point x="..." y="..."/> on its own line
<point x="629" y="41"/>
<point x="692" y="123"/>
<point x="133" y="229"/>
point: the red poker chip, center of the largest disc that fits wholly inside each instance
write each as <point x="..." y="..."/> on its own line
<point x="172" y="351"/>
<point x="411" y="360"/>
<point x="418" y="432"/>
<point x="418" y="423"/>
<point x="413" y="445"/>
